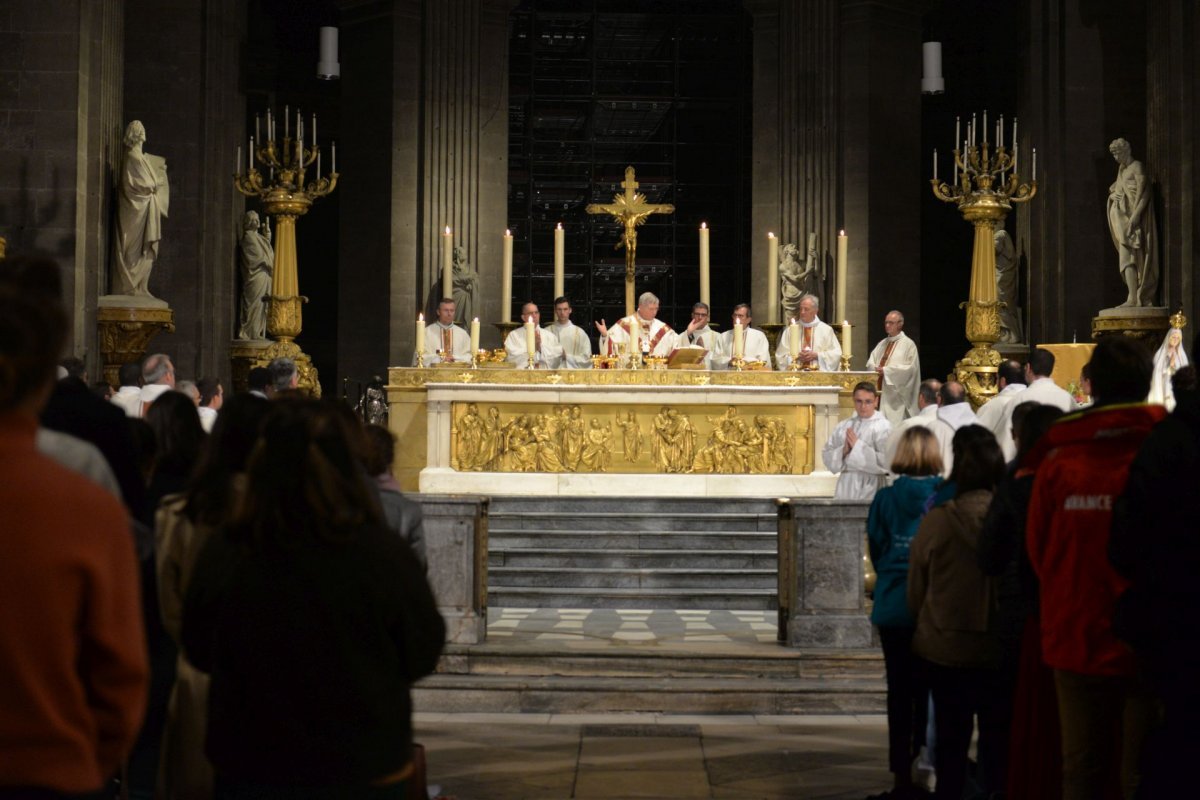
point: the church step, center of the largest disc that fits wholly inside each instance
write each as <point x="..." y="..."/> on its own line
<point x="631" y="540"/>
<point x="607" y="577"/>
<point x="611" y="521"/>
<point x="632" y="559"/>
<point x="682" y="598"/>
<point x="679" y="695"/>
<point x="703" y="506"/>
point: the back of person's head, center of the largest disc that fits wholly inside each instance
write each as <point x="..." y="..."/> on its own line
<point x="234" y="437"/>
<point x="1121" y="369"/>
<point x="156" y="367"/>
<point x="33" y="331"/>
<point x="380" y="450"/>
<point x="952" y="392"/>
<point x="978" y="459"/>
<point x="283" y="371"/>
<point x="208" y="390"/>
<point x="928" y="391"/>
<point x="1010" y="371"/>
<point x="189" y="389"/>
<point x="258" y="379"/>
<point x="178" y="434"/>
<point x="303" y="482"/>
<point x="1036" y="422"/>
<point x="130" y="374"/>
<point x="75" y="368"/>
<point x="1018" y="417"/>
<point x="1041" y="363"/>
<point x="917" y="453"/>
<point x="101" y="389"/>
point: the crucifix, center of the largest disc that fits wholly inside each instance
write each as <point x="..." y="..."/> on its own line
<point x="631" y="209"/>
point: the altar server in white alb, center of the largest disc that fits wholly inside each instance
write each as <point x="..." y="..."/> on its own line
<point x="443" y="335"/>
<point x="547" y="352"/>
<point x="655" y="337"/>
<point x="996" y="414"/>
<point x="576" y="346"/>
<point x="896" y="362"/>
<point x="754" y="341"/>
<point x="699" y="334"/>
<point x="857" y="449"/>
<point x="819" y="345"/>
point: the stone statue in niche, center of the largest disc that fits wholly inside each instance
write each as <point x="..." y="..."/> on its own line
<point x="1007" y="288"/>
<point x="1131" y="223"/>
<point x="258" y="264"/>
<point x="466" y="285"/>
<point x="143" y="199"/>
<point x="796" y="279"/>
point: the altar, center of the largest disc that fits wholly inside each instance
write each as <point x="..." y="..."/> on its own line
<point x="667" y="433"/>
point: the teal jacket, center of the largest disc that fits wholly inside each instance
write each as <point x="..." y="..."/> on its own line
<point x="892" y="523"/>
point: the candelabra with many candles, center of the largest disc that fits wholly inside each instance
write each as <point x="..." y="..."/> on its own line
<point x="985" y="186"/>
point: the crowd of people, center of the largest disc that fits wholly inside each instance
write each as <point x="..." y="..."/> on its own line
<point x="159" y="542"/>
<point x="1035" y="581"/>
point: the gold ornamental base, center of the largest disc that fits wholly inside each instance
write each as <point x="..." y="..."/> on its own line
<point x="1149" y="323"/>
<point x="977" y="372"/>
<point x="125" y="334"/>
<point x="245" y="355"/>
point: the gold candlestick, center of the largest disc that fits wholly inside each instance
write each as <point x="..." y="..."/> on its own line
<point x="986" y="185"/>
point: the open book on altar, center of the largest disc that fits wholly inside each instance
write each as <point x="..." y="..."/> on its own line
<point x="687" y="358"/>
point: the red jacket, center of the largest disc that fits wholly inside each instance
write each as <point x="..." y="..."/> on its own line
<point x="1084" y="464"/>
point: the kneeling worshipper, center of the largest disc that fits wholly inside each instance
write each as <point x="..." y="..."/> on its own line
<point x="819" y="345"/>
<point x="896" y="361"/>
<point x="547" y="352"/>
<point x="654" y="336"/>
<point x="857" y="449"/>
<point x="444" y="337"/>
<point x="754" y="342"/>
<point x="576" y="346"/>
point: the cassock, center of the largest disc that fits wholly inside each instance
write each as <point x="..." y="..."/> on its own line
<point x="815" y="335"/>
<point x="704" y="337"/>
<point x="547" y="355"/>
<point x="576" y="346"/>
<point x="996" y="416"/>
<point x="754" y="344"/>
<point x="863" y="470"/>
<point x="446" y="337"/>
<point x="925" y="418"/>
<point x="656" y="332"/>
<point x="949" y="419"/>
<point x="901" y="376"/>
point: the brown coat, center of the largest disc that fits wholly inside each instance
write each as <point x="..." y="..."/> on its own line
<point x="952" y="600"/>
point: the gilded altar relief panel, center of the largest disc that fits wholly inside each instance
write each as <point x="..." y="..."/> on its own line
<point x="680" y="439"/>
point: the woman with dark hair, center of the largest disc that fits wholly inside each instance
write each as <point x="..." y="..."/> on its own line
<point x="179" y="438"/>
<point x="183" y="524"/>
<point x="892" y="522"/>
<point x="312" y="620"/>
<point x="954" y="605"/>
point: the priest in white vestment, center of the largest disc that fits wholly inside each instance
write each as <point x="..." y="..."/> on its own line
<point x="818" y="343"/>
<point x="576" y="346"/>
<point x="444" y="335"/>
<point x="996" y="414"/>
<point x="655" y="337"/>
<point x="547" y="352"/>
<point x="754" y="341"/>
<point x="856" y="449"/>
<point x="896" y="362"/>
<point x="699" y="334"/>
<point x="955" y="412"/>
<point x="926" y="416"/>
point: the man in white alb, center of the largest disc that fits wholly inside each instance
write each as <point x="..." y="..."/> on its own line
<point x="1040" y="388"/>
<point x="699" y="334"/>
<point x="655" y="337"/>
<point x="996" y="414"/>
<point x="547" y="352"/>
<point x="754" y="341"/>
<point x="856" y="449"/>
<point x="576" y="346"/>
<point x="818" y="343"/>
<point x="158" y="376"/>
<point x="896" y="362"/>
<point x="443" y="335"/>
<point x="926" y="416"/>
<point x="954" y="412"/>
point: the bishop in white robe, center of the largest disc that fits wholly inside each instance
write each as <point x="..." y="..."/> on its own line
<point x="654" y="337"/>
<point x="818" y="343"/>
<point x="896" y="361"/>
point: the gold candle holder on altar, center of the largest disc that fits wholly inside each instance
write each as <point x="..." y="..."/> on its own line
<point x="985" y="186"/>
<point x="286" y="194"/>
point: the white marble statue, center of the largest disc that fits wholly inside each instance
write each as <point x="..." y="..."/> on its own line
<point x="797" y="279"/>
<point x="466" y="281"/>
<point x="143" y="198"/>
<point x="1131" y="223"/>
<point x="1167" y="361"/>
<point x="1007" y="288"/>
<point x="258" y="264"/>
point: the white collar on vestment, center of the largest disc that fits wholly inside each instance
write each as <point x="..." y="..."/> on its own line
<point x="816" y="321"/>
<point x="567" y="324"/>
<point x="444" y="327"/>
<point x="129" y="390"/>
<point x="1012" y="388"/>
<point x="929" y="411"/>
<point x="895" y="338"/>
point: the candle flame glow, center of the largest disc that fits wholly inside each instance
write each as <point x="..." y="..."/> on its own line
<point x="560" y="226"/>
<point x="703" y="225"/>
<point x="770" y="235"/>
<point x="507" y="232"/>
<point x="421" y="317"/>
<point x="842" y="232"/>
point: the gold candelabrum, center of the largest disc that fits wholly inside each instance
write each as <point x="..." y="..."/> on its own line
<point x="286" y="191"/>
<point x="985" y="186"/>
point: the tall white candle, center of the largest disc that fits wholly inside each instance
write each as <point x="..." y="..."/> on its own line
<point x="1034" y="175"/>
<point x="314" y="127"/>
<point x="704" y="265"/>
<point x="957" y="130"/>
<point x="506" y="278"/>
<point x="559" y="261"/>
<point x="474" y="336"/>
<point x="935" y="165"/>
<point x="635" y="334"/>
<point x="286" y="127"/>
<point x="250" y="157"/>
<point x="843" y="249"/>
<point x="1016" y="146"/>
<point x="447" y="263"/>
<point x="420" y="333"/>
<point x="530" y="339"/>
<point x="739" y="341"/>
<point x="845" y="338"/>
<point x="318" y="163"/>
<point x="794" y="340"/>
<point x="772" y="278"/>
<point x="257" y="128"/>
<point x="237" y="164"/>
<point x="333" y="169"/>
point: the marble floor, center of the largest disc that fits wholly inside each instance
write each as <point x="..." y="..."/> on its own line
<point x="576" y="628"/>
<point x="511" y="756"/>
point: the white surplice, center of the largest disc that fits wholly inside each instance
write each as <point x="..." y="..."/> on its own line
<point x="576" y="346"/>
<point x="546" y="356"/>
<point x="655" y="332"/>
<point x="901" y="377"/>
<point x="996" y="416"/>
<point x="863" y="470"/>
<point x="460" y="344"/>
<point x="755" y="348"/>
<point x="822" y="339"/>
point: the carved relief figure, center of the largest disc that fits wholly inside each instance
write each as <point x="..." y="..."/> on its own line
<point x="572" y="438"/>
<point x="491" y="440"/>
<point x="548" y="459"/>
<point x="1131" y="223"/>
<point x="597" y="447"/>
<point x="631" y="437"/>
<point x="1007" y="288"/>
<point x="470" y="439"/>
<point x="257" y="258"/>
<point x="143" y="198"/>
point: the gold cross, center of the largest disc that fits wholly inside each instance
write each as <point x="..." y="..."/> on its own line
<point x="631" y="209"/>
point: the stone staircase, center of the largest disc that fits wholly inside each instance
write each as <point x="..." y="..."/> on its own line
<point x="632" y="553"/>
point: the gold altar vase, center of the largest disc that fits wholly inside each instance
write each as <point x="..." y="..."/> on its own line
<point x="985" y="187"/>
<point x="286" y="196"/>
